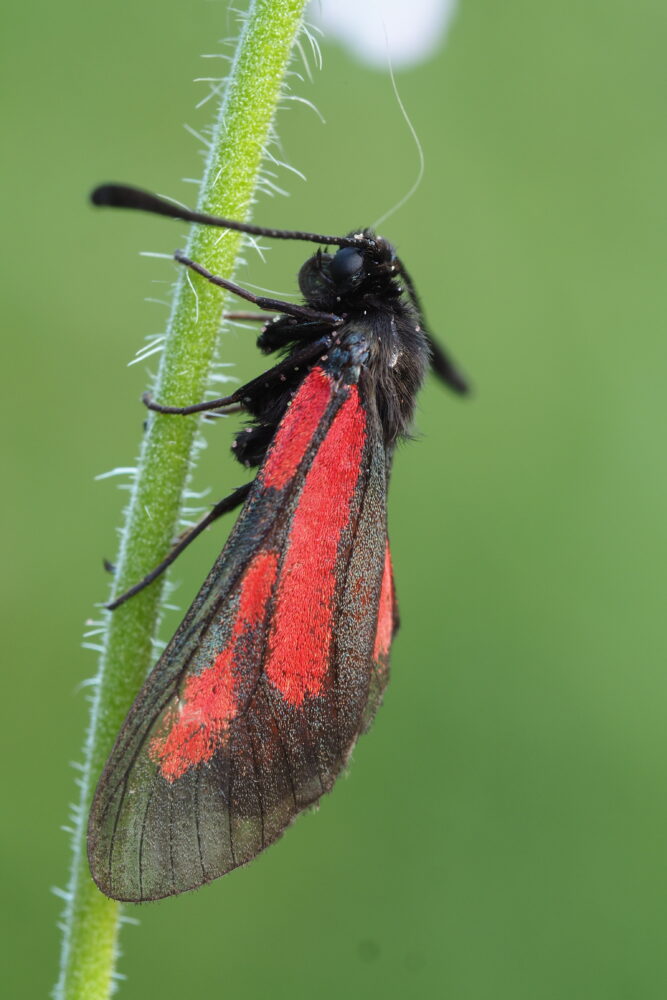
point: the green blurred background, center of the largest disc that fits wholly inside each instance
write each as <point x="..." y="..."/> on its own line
<point x="502" y="830"/>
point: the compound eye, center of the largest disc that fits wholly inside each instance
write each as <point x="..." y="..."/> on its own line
<point x="346" y="264"/>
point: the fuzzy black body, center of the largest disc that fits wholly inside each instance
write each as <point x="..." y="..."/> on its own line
<point x="363" y="287"/>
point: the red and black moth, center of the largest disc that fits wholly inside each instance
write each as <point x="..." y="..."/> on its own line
<point x="254" y="707"/>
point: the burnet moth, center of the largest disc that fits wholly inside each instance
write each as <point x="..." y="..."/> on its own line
<point x="253" y="709"/>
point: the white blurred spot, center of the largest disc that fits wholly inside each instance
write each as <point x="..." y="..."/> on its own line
<point x="414" y="30"/>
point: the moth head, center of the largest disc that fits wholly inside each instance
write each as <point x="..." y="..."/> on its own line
<point x="327" y="279"/>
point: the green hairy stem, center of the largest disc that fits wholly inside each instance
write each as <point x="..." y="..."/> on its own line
<point x="241" y="133"/>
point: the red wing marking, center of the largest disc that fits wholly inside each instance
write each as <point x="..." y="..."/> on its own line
<point x="296" y="429"/>
<point x="193" y="731"/>
<point x="385" y="627"/>
<point x="302" y="624"/>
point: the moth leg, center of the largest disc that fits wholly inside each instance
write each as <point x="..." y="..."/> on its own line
<point x="441" y="363"/>
<point x="209" y="404"/>
<point x="283" y="332"/>
<point x="251" y="390"/>
<point x="277" y="305"/>
<point x="249" y="317"/>
<point x="443" y="366"/>
<point x="227" y="503"/>
<point x="228" y="411"/>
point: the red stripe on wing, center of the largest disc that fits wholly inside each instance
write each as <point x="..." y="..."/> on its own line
<point x="296" y="429"/>
<point x="193" y="732"/>
<point x="385" y="629"/>
<point x="301" y="628"/>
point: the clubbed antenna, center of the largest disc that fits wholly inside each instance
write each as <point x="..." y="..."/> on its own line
<point x="124" y="196"/>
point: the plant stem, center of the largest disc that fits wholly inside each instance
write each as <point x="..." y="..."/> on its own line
<point x="242" y="130"/>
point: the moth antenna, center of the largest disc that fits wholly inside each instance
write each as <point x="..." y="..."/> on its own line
<point x="125" y="196"/>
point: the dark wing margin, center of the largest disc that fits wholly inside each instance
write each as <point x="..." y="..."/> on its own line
<point x="255" y="705"/>
<point x="386" y="628"/>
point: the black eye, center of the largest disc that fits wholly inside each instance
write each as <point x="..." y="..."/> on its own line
<point x="345" y="264"/>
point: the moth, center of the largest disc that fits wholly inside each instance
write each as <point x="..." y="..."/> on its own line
<point x="253" y="709"/>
